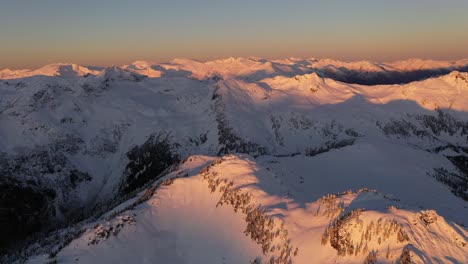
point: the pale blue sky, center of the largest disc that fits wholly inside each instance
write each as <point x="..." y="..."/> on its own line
<point x="110" y="32"/>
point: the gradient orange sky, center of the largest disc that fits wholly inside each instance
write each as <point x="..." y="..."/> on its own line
<point x="114" y="32"/>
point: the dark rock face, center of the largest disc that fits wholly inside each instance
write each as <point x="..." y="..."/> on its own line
<point x="385" y="77"/>
<point x="426" y="126"/>
<point x="461" y="162"/>
<point x="36" y="190"/>
<point x="146" y="162"/>
<point x="444" y="123"/>
<point x="403" y="128"/>
<point x="24" y="209"/>
<point x="228" y="140"/>
<point x="231" y="143"/>
<point x="458" y="183"/>
<point x="39" y="186"/>
<point x="329" y="146"/>
<point x="438" y="130"/>
<point x="76" y="177"/>
<point x="42" y="167"/>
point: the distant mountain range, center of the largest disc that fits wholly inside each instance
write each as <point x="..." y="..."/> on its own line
<point x="235" y="160"/>
<point x="359" y="72"/>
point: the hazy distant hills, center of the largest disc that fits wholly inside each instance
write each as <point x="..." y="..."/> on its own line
<point x="360" y="72"/>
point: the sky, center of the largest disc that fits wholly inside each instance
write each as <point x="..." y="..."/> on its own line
<point x="114" y="32"/>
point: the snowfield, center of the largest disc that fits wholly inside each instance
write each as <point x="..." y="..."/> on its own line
<point x="242" y="160"/>
<point x="183" y="222"/>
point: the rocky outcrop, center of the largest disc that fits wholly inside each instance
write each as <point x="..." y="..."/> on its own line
<point x="148" y="161"/>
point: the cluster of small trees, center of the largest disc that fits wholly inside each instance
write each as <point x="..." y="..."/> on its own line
<point x="384" y="230"/>
<point x="339" y="233"/>
<point x="148" y="161"/>
<point x="103" y="232"/>
<point x="329" y="145"/>
<point x="227" y="137"/>
<point x="67" y="239"/>
<point x="457" y="182"/>
<point x="332" y="206"/>
<point x="260" y="226"/>
<point x="428" y="217"/>
<point x="150" y="191"/>
<point x="405" y="257"/>
<point x="371" y="258"/>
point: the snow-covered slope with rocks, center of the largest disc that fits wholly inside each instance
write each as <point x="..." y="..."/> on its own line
<point x="56" y="69"/>
<point x="331" y="160"/>
<point x="239" y="209"/>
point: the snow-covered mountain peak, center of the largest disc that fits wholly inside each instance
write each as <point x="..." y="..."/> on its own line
<point x="457" y="79"/>
<point x="293" y="153"/>
<point x="117" y="73"/>
<point x="309" y="83"/>
<point x="139" y="65"/>
<point x="145" y="68"/>
<point x="360" y="66"/>
<point x="416" y="64"/>
<point x="66" y="70"/>
<point x="12" y="74"/>
<point x="309" y="77"/>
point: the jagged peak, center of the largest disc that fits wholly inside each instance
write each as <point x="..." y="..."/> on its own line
<point x="144" y="68"/>
<point x="141" y="64"/>
<point x="425" y="64"/>
<point x="115" y="73"/>
<point x="56" y="68"/>
<point x="314" y="77"/>
<point x="53" y="69"/>
<point x="456" y="78"/>
<point x="306" y="82"/>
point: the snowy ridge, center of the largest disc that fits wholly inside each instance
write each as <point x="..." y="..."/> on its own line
<point x="79" y="141"/>
<point x="374" y="224"/>
<point x="57" y="69"/>
<point x="364" y="72"/>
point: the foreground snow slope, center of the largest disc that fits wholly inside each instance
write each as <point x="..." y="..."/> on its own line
<point x="183" y="221"/>
<point x="179" y="224"/>
<point x="77" y="141"/>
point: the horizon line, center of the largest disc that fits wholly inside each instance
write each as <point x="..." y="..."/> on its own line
<point x="166" y="61"/>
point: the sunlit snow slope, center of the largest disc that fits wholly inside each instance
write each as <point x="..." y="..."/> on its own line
<point x="290" y="161"/>
<point x="193" y="218"/>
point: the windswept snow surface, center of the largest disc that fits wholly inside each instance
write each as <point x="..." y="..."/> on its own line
<point x="182" y="221"/>
<point x="288" y="160"/>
